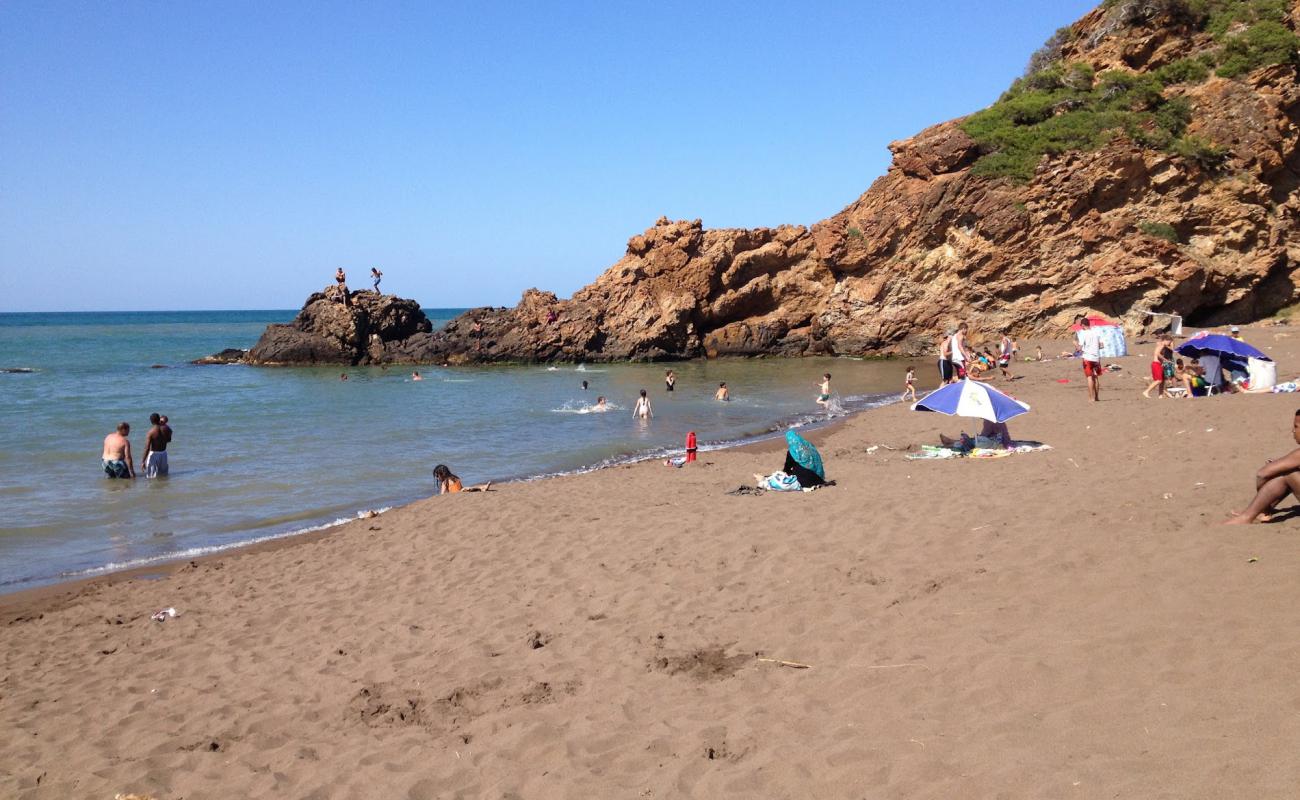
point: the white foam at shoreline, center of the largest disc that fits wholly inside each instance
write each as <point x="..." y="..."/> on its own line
<point x="194" y="552"/>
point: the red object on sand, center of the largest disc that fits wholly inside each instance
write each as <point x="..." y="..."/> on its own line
<point x="1062" y="380"/>
<point x="690" y="447"/>
<point x="1096" y="322"/>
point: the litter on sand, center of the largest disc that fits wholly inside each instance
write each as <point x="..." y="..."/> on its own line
<point x="164" y="615"/>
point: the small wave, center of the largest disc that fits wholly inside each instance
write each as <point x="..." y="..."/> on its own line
<point x="457" y="380"/>
<point x="205" y="550"/>
<point x="585" y="408"/>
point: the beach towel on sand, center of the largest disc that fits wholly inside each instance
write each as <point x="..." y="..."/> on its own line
<point x="932" y="451"/>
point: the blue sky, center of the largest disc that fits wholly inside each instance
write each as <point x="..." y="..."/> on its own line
<point x="231" y="155"/>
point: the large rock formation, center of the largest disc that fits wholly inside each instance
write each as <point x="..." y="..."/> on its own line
<point x="1184" y="200"/>
<point x="336" y="326"/>
<point x="1119" y="230"/>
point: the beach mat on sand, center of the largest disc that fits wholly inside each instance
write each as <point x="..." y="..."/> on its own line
<point x="934" y="451"/>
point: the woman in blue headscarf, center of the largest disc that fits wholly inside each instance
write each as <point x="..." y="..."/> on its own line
<point x="803" y="461"/>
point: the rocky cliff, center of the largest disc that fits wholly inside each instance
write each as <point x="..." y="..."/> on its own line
<point x="1148" y="160"/>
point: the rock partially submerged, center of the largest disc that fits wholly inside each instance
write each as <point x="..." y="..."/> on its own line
<point x="338" y="327"/>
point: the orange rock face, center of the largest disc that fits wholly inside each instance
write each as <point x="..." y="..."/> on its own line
<point x="930" y="244"/>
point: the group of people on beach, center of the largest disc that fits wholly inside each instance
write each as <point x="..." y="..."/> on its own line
<point x="117" y="460"/>
<point x="960" y="359"/>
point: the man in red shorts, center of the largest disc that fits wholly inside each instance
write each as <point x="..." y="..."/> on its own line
<point x="1090" y="351"/>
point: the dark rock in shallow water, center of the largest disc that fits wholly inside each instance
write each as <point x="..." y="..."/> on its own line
<point x="17" y="370"/>
<point x="344" y="328"/>
<point x="230" y="355"/>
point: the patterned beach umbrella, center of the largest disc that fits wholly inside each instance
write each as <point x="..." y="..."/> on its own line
<point x="1219" y="345"/>
<point x="970" y="398"/>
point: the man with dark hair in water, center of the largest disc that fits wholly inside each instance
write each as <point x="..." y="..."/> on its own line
<point x="117" y="453"/>
<point x="1275" y="480"/>
<point x="154" y="460"/>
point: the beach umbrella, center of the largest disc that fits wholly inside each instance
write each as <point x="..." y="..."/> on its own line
<point x="1205" y="343"/>
<point x="970" y="398"/>
<point x="1096" y="322"/>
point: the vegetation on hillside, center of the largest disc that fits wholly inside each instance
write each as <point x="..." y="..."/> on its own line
<point x="1059" y="107"/>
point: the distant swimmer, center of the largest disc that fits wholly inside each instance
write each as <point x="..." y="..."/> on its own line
<point x="415" y="376"/>
<point x="584" y="386"/>
<point x="343" y="376"/>
<point x="117" y="453"/>
<point x="723" y="393"/>
<point x="642" y="409"/>
<point x="670" y="380"/>
<point x="449" y="483"/>
<point x="154" y="460"/>
<point x="824" y="398"/>
<point x="600" y="404"/>
<point x="376" y="276"/>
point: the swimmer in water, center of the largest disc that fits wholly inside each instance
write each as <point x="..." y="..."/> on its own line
<point x="584" y="386"/>
<point x="642" y="409"/>
<point x="415" y="376"/>
<point x="343" y="376"/>
<point x="600" y="404"/>
<point x="670" y="380"/>
<point x="824" y="398"/>
<point x="723" y="393"/>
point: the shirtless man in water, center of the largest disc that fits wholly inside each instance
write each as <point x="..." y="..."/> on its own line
<point x="154" y="460"/>
<point x="1275" y="480"/>
<point x="117" y="453"/>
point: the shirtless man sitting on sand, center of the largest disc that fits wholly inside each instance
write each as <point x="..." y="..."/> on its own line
<point x="1275" y="480"/>
<point x="117" y="453"/>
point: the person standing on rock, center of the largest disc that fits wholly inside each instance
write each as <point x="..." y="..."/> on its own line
<point x="117" y="453"/>
<point x="376" y="276"/>
<point x="341" y="278"/>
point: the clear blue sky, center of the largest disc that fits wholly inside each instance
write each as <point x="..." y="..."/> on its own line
<point x="231" y="155"/>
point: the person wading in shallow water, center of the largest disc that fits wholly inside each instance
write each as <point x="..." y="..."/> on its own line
<point x="154" y="460"/>
<point x="117" y="453"/>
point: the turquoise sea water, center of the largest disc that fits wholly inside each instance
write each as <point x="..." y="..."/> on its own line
<point x="262" y="452"/>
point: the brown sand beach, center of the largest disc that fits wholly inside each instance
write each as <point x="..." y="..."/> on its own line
<point x="1068" y="623"/>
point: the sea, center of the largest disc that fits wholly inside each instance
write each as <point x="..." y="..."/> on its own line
<point x="261" y="452"/>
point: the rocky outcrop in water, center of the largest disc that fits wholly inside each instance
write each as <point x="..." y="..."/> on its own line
<point x="336" y="326"/>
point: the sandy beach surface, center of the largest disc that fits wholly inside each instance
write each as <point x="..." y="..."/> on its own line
<point x="1072" y="623"/>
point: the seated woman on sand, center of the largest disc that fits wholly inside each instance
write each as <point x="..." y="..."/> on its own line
<point x="803" y="467"/>
<point x="992" y="436"/>
<point x="449" y="483"/>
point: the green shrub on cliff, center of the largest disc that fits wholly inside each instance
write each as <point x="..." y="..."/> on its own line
<point x="1160" y="230"/>
<point x="1261" y="45"/>
<point x="1065" y="107"/>
<point x="1184" y="70"/>
<point x="1202" y="151"/>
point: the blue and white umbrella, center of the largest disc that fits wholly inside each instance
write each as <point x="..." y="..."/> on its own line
<point x="970" y="398"/>
<point x="1217" y="344"/>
